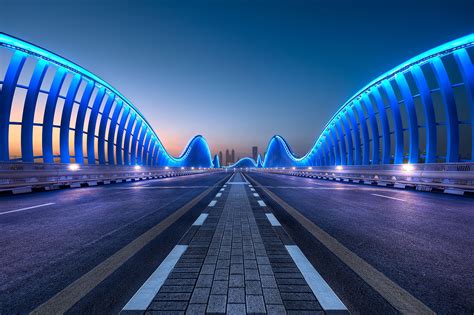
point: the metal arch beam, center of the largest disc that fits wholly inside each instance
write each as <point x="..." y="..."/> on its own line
<point x="348" y="135"/>
<point x="103" y="126"/>
<point x="81" y="115"/>
<point x="413" y="154"/>
<point x="29" y="110"/>
<point x="452" y="154"/>
<point x="342" y="141"/>
<point x="356" y="133"/>
<point x="143" y="133"/>
<point x="126" y="142"/>
<point x="111" y="135"/>
<point x="365" y="133"/>
<point x="335" y="145"/>
<point x="374" y="127"/>
<point x="152" y="151"/>
<point x="397" y="119"/>
<point x="146" y="147"/>
<point x="155" y="154"/>
<point x="328" y="149"/>
<point x="66" y="118"/>
<point x="6" y="98"/>
<point x="136" y="133"/>
<point x="430" y="120"/>
<point x="118" y="145"/>
<point x="385" y="126"/>
<point x="467" y="72"/>
<point x="91" y="126"/>
<point x="48" y="118"/>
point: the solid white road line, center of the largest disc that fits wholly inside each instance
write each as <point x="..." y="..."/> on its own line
<point x="28" y="208"/>
<point x="388" y="197"/>
<point x="261" y="203"/>
<point x="255" y="195"/>
<point x="142" y="299"/>
<point x="212" y="203"/>
<point x="323" y="292"/>
<point x="200" y="220"/>
<point x="218" y="195"/>
<point x="272" y="219"/>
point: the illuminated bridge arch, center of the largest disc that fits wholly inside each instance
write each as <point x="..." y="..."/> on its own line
<point x="54" y="111"/>
<point x="419" y="112"/>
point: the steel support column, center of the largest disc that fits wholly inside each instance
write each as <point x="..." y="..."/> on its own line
<point x="91" y="126"/>
<point x="66" y="118"/>
<point x="79" y="128"/>
<point x="111" y="135"/>
<point x="385" y="126"/>
<point x="374" y="128"/>
<point x="356" y="133"/>
<point x="348" y="135"/>
<point x="118" y="145"/>
<point x="126" y="142"/>
<point x="102" y="128"/>
<point x="365" y="133"/>
<point x="397" y="119"/>
<point x="136" y="134"/>
<point x="342" y="141"/>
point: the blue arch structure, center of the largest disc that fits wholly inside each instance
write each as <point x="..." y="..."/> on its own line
<point x="245" y="162"/>
<point x="419" y="112"/>
<point x="84" y="119"/>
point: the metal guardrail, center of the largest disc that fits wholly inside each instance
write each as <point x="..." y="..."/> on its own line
<point x="24" y="177"/>
<point x="454" y="178"/>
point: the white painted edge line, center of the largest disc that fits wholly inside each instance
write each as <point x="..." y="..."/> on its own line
<point x="28" y="208"/>
<point x="212" y="203"/>
<point x="143" y="297"/>
<point x="383" y="196"/>
<point x="252" y="189"/>
<point x="218" y="195"/>
<point x="261" y="203"/>
<point x="323" y="292"/>
<point x="255" y="195"/>
<point x="272" y="219"/>
<point x="200" y="219"/>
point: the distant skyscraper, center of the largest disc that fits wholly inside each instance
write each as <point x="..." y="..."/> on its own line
<point x="221" y="161"/>
<point x="232" y="156"/>
<point x="255" y="153"/>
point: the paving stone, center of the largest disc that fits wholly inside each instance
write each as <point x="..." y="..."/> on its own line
<point x="298" y="296"/>
<point x="176" y="289"/>
<point x="237" y="269"/>
<point x="272" y="296"/>
<point x="276" y="310"/>
<point x="235" y="309"/>
<point x="236" y="295"/>
<point x="297" y="305"/>
<point x="253" y="287"/>
<point x="217" y="304"/>
<point x="164" y="296"/>
<point x="168" y="306"/>
<point x="221" y="274"/>
<point x="236" y="281"/>
<point x="196" y="309"/>
<point x="268" y="281"/>
<point x="255" y="304"/>
<point x="265" y="270"/>
<point x="219" y="287"/>
<point x="251" y="274"/>
<point x="200" y="295"/>
<point x="204" y="281"/>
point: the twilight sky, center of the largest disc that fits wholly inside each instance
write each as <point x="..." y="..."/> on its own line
<point x="237" y="72"/>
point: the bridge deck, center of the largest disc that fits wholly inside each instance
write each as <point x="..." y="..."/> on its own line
<point x="236" y="259"/>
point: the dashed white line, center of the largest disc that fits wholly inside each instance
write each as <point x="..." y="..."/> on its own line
<point x="323" y="292"/>
<point x="212" y="203"/>
<point x="255" y="195"/>
<point x="201" y="218"/>
<point x="218" y="195"/>
<point x="272" y="219"/>
<point x="388" y="197"/>
<point x="252" y="189"/>
<point x="28" y="208"/>
<point x="222" y="189"/>
<point x="261" y="203"/>
<point x="143" y="297"/>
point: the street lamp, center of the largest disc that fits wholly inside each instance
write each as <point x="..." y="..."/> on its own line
<point x="137" y="167"/>
<point x="73" y="167"/>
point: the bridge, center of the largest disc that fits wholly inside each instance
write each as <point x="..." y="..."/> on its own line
<point x="97" y="217"/>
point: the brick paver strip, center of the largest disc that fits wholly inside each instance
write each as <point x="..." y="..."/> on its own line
<point x="235" y="263"/>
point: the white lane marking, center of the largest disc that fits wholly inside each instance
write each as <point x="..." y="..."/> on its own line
<point x="250" y="185"/>
<point x="143" y="297"/>
<point x="272" y="219"/>
<point x="225" y="185"/>
<point x="212" y="203"/>
<point x="323" y="292"/>
<point x="261" y="203"/>
<point x="255" y="195"/>
<point x="222" y="189"/>
<point x="383" y="196"/>
<point x="236" y="183"/>
<point x="28" y="208"/>
<point x="218" y="195"/>
<point x="200" y="220"/>
<point x="252" y="189"/>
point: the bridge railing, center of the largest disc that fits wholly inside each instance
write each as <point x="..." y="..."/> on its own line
<point x="23" y="177"/>
<point x="455" y="178"/>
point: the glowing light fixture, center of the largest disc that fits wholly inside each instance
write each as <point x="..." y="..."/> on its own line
<point x="167" y="167"/>
<point x="408" y="167"/>
<point x="137" y="167"/>
<point x="73" y="167"/>
<point x="310" y="168"/>
<point x="339" y="167"/>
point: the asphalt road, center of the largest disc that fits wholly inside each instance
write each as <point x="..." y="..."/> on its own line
<point x="424" y="242"/>
<point x="50" y="239"/>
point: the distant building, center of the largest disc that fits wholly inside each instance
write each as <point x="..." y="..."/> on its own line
<point x="255" y="153"/>
<point x="220" y="158"/>
<point x="227" y="157"/>
<point x="232" y="156"/>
